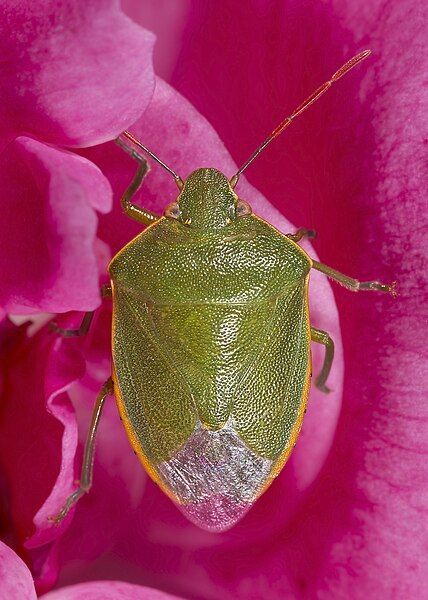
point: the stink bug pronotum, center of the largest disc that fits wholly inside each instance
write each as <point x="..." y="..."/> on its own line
<point x="211" y="341"/>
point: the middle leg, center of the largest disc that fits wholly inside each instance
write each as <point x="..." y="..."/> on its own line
<point x="82" y="330"/>
<point x="86" y="321"/>
<point x="354" y="285"/>
<point x="301" y="233"/>
<point x="322" y="337"/>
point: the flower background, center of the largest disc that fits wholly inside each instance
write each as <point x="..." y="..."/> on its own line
<point x="345" y="517"/>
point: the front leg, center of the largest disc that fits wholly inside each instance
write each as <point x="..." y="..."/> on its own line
<point x="132" y="210"/>
<point x="353" y="284"/>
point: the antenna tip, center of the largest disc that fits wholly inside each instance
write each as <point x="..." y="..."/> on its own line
<point x="354" y="61"/>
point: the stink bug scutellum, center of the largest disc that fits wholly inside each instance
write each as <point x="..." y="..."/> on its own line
<point x="211" y="341"/>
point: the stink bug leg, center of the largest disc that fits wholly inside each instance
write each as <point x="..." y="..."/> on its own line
<point x="353" y="284"/>
<point x="82" y="330"/>
<point x="132" y="210"/>
<point x="302" y="233"/>
<point x="88" y="457"/>
<point x="322" y="337"/>
<point x="86" y="321"/>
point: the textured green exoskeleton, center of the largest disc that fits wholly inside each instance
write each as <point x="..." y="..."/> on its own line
<point x="211" y="343"/>
<point x="211" y="348"/>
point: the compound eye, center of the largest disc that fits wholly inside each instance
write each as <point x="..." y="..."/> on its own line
<point x="172" y="211"/>
<point x="243" y="209"/>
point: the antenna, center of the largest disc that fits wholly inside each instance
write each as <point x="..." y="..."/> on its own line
<point x="310" y="100"/>
<point x="137" y="143"/>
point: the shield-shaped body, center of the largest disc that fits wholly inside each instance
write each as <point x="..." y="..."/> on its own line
<point x="211" y="352"/>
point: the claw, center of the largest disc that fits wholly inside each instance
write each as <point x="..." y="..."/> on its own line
<point x="56" y="519"/>
<point x="322" y="387"/>
<point x="64" y="332"/>
<point x="53" y="327"/>
<point x="393" y="289"/>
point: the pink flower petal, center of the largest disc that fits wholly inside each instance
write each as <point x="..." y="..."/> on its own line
<point x="350" y="168"/>
<point x="38" y="435"/>
<point x="169" y="19"/>
<point x="73" y="73"/>
<point x="16" y="582"/>
<point x="48" y="261"/>
<point x="107" y="590"/>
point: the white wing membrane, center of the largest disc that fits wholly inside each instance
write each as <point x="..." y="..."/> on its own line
<point x="215" y="476"/>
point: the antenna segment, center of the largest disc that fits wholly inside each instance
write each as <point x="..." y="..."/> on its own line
<point x="310" y="100"/>
<point x="137" y="143"/>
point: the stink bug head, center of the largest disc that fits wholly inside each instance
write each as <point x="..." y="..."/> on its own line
<point x="206" y="201"/>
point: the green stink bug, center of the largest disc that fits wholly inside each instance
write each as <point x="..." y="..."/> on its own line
<point x="211" y="341"/>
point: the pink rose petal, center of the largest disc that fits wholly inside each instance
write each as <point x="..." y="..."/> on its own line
<point x="352" y="169"/>
<point x="74" y="73"/>
<point x="16" y="582"/>
<point x="48" y="260"/>
<point x="107" y="590"/>
<point x="168" y="19"/>
<point x="38" y="434"/>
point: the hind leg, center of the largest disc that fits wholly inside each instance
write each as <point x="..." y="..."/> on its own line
<point x="88" y="457"/>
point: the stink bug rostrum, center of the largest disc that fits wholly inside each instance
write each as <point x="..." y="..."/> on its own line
<point x="211" y="341"/>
